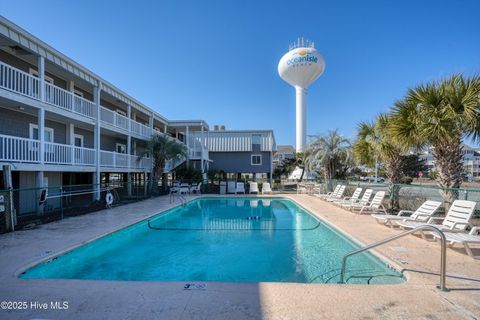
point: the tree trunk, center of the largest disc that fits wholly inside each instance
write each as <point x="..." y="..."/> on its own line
<point x="449" y="166"/>
<point x="393" y="166"/>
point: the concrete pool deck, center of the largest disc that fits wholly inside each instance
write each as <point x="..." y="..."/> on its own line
<point x="416" y="299"/>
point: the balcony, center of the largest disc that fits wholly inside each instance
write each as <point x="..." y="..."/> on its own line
<point x="22" y="150"/>
<point x="25" y="84"/>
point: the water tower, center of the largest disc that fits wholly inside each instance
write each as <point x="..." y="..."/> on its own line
<point x="300" y="66"/>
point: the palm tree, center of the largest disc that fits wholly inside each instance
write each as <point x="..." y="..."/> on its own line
<point x="161" y="149"/>
<point x="327" y="152"/>
<point x="288" y="165"/>
<point x="440" y="115"/>
<point x="374" y="144"/>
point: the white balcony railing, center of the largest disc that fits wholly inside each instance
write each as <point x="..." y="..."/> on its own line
<point x="15" y="149"/>
<point x="140" y="129"/>
<point x="18" y="81"/>
<point x="56" y="153"/>
<point x="84" y="156"/>
<point x="143" y="163"/>
<point x="26" y="84"/>
<point x="113" y="159"/>
<point x="113" y="118"/>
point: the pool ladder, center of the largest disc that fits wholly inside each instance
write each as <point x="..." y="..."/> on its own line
<point x="443" y="255"/>
<point x="181" y="197"/>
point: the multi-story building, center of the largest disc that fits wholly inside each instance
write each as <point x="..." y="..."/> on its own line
<point x="61" y="124"/>
<point x="237" y="152"/>
<point x="470" y="159"/>
<point x="283" y="152"/>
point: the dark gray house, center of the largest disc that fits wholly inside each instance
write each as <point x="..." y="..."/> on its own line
<point x="237" y="152"/>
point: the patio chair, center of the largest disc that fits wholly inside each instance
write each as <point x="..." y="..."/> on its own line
<point x="352" y="199"/>
<point x="328" y="194"/>
<point x="466" y="239"/>
<point x="231" y="187"/>
<point x="266" y="188"/>
<point x="254" y="187"/>
<point x="422" y="214"/>
<point x="457" y="218"/>
<point x="338" y="196"/>
<point x="375" y="205"/>
<point x="240" y="188"/>
<point x="196" y="189"/>
<point x="363" y="201"/>
<point x="301" y="188"/>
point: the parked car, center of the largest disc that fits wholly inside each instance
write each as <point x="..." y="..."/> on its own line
<point x="372" y="179"/>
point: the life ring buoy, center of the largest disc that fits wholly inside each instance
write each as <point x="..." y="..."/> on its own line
<point x="109" y="198"/>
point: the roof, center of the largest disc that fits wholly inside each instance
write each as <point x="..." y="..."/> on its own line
<point x="288" y="149"/>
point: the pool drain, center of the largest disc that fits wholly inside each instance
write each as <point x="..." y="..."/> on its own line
<point x="195" y="286"/>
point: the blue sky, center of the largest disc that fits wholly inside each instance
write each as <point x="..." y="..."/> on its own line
<point x="217" y="60"/>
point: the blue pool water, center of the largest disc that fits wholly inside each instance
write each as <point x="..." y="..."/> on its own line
<point x="222" y="239"/>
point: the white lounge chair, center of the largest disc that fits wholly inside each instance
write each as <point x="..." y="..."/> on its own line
<point x="365" y="200"/>
<point x="352" y="199"/>
<point x="375" y="205"/>
<point x="457" y="218"/>
<point x="254" y="187"/>
<point x="422" y="214"/>
<point x="184" y="188"/>
<point x="266" y="188"/>
<point x="466" y="239"/>
<point x="338" y="196"/>
<point x="231" y="187"/>
<point x="196" y="189"/>
<point x="328" y="194"/>
<point x="301" y="188"/>
<point x="240" y="188"/>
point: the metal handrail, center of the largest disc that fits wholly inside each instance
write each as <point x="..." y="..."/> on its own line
<point x="443" y="256"/>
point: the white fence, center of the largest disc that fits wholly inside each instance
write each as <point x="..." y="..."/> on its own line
<point x="26" y="84"/>
<point x="15" y="149"/>
<point x="19" y="149"/>
<point x="18" y="81"/>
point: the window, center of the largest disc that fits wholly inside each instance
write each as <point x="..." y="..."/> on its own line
<point x="78" y="140"/>
<point x="34" y="72"/>
<point x="256" y="138"/>
<point x="256" y="160"/>
<point x="120" y="148"/>
<point x="78" y="93"/>
<point x="34" y="133"/>
<point x="123" y="113"/>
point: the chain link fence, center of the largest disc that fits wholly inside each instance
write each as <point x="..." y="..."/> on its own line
<point x="407" y="196"/>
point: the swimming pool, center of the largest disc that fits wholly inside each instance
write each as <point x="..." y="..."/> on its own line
<point x="229" y="239"/>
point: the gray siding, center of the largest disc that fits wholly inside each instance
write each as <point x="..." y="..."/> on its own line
<point x="233" y="162"/>
<point x="15" y="123"/>
<point x="25" y="66"/>
<point x="59" y="131"/>
<point x="88" y="141"/>
<point x="108" y="143"/>
<point x="18" y="124"/>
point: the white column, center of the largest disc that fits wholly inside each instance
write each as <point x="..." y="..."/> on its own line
<point x="41" y="134"/>
<point x="129" y="136"/>
<point x="71" y="88"/>
<point x="301" y="118"/>
<point x="41" y="77"/>
<point x="150" y="124"/>
<point x="41" y="137"/>
<point x="97" y="145"/>
<point x="202" y="146"/>
<point x="71" y="139"/>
